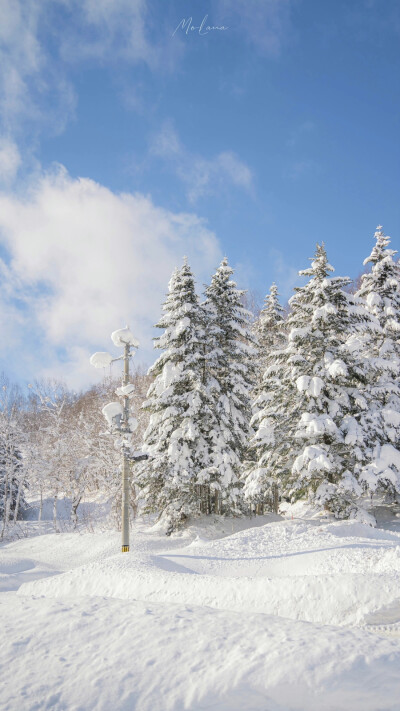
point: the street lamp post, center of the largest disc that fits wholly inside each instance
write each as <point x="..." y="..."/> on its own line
<point x="118" y="416"/>
<point x="125" y="461"/>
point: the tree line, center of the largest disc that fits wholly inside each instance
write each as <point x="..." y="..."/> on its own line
<point x="54" y="443"/>
<point x="306" y="404"/>
<point x="237" y="411"/>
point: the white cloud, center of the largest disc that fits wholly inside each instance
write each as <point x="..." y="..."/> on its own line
<point x="166" y="143"/>
<point x="20" y="57"/>
<point x="118" y="30"/>
<point x="34" y="87"/>
<point x="202" y="176"/>
<point x="84" y="261"/>
<point x="10" y="160"/>
<point x="41" y="39"/>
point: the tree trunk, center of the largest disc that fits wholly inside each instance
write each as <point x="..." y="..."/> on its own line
<point x="275" y="498"/>
<point x="5" y="507"/>
<point x="74" y="510"/>
<point x="17" y="502"/>
<point x="55" y="513"/>
<point x="218" y="502"/>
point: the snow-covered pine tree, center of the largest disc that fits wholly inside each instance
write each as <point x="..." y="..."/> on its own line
<point x="230" y="380"/>
<point x="380" y="288"/>
<point x="311" y="393"/>
<point x="177" y="437"/>
<point x="269" y="325"/>
<point x="270" y="336"/>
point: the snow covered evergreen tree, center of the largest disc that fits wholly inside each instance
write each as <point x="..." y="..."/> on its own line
<point x="230" y="379"/>
<point x="311" y="391"/>
<point x="181" y="415"/>
<point x="269" y="325"/>
<point x="270" y="335"/>
<point x="380" y="288"/>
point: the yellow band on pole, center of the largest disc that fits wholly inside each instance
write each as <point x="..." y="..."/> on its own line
<point x="125" y="549"/>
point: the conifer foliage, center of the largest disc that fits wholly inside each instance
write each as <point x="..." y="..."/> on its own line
<point x="270" y="336"/>
<point x="269" y="329"/>
<point x="380" y="289"/>
<point x="181" y="417"/>
<point x="311" y="391"/>
<point x="230" y="379"/>
<point x="199" y="402"/>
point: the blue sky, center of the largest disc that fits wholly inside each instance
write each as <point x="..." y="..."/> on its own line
<point x="124" y="146"/>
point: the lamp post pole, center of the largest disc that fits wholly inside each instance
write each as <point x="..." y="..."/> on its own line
<point x="125" y="460"/>
<point x="118" y="417"/>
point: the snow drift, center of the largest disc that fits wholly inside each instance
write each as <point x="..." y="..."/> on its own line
<point x="339" y="573"/>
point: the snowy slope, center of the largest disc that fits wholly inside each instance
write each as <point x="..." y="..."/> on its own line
<point x="338" y="573"/>
<point x="122" y="655"/>
<point x="51" y="554"/>
<point x="191" y="623"/>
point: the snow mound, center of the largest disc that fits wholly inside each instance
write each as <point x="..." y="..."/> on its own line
<point x="338" y="573"/>
<point x="97" y="655"/>
<point x="14" y="564"/>
<point x="194" y="637"/>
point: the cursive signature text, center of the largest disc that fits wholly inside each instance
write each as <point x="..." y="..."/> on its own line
<point x="187" y="26"/>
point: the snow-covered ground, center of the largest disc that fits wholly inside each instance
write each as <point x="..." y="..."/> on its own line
<point x="265" y="614"/>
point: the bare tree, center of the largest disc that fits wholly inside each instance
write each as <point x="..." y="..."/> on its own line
<point x="12" y="472"/>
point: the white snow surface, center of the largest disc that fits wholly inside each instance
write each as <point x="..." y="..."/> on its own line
<point x="287" y="615"/>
